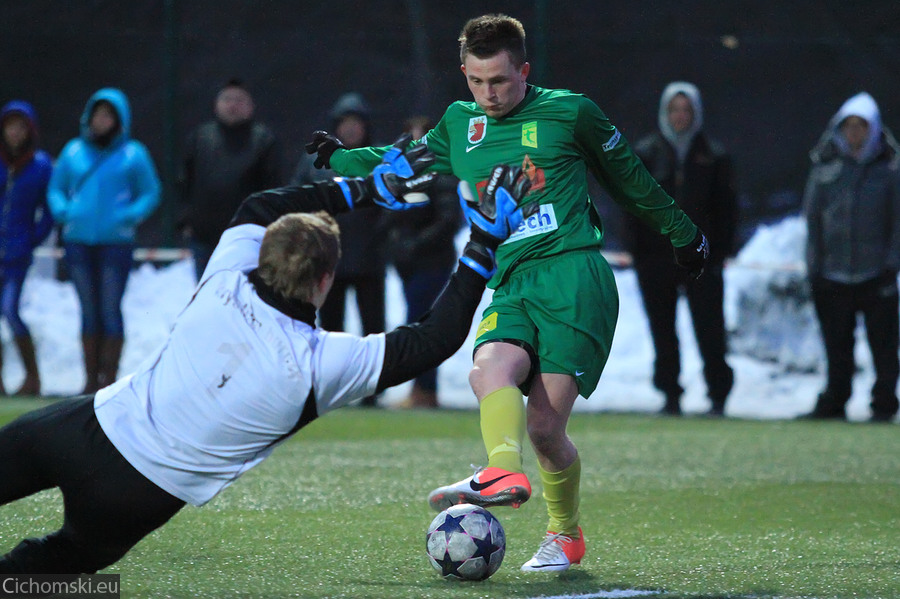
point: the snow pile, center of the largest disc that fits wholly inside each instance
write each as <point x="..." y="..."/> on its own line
<point x="769" y="311"/>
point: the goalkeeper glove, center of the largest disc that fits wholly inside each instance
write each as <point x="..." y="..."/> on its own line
<point x="494" y="217"/>
<point x="398" y="183"/>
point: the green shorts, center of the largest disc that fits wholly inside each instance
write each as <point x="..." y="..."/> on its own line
<point x="565" y="307"/>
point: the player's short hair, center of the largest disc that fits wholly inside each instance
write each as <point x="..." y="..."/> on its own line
<point x="297" y="251"/>
<point x="488" y="35"/>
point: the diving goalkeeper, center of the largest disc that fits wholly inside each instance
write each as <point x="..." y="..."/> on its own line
<point x="242" y="370"/>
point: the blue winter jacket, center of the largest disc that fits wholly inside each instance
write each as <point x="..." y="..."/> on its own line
<point x="25" y="220"/>
<point x="100" y="195"/>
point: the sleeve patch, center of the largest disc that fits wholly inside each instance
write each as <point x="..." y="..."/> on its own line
<point x="613" y="141"/>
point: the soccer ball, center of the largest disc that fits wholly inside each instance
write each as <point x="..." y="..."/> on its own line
<point x="465" y="541"/>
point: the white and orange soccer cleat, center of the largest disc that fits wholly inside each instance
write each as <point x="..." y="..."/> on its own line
<point x="557" y="552"/>
<point x="488" y="487"/>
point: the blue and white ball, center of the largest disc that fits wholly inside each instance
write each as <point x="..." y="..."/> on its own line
<point x="466" y="542"/>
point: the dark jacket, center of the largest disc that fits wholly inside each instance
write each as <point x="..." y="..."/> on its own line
<point x="364" y="232"/>
<point x="422" y="238"/>
<point x="703" y="187"/>
<point x="852" y="205"/>
<point x="25" y="220"/>
<point x="222" y="166"/>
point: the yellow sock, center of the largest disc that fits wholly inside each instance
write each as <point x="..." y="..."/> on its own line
<point x="562" y="493"/>
<point x="503" y="428"/>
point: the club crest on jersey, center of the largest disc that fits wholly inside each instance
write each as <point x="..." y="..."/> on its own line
<point x="477" y="129"/>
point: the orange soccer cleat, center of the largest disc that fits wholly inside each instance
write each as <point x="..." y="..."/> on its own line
<point x="488" y="487"/>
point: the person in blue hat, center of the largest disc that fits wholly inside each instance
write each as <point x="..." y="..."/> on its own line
<point x="25" y="222"/>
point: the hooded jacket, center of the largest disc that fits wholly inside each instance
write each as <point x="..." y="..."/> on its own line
<point x="101" y="194"/>
<point x="25" y="220"/>
<point x="852" y="204"/>
<point x="697" y="173"/>
<point x="363" y="232"/>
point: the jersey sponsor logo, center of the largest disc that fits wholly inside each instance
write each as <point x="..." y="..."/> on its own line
<point x="477" y="130"/>
<point x="579" y="372"/>
<point x="529" y="134"/>
<point x="613" y="141"/>
<point x="543" y="221"/>
<point x="489" y="323"/>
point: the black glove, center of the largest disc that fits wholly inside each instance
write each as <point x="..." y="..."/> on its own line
<point x="324" y="144"/>
<point x="397" y="183"/>
<point x="694" y="255"/>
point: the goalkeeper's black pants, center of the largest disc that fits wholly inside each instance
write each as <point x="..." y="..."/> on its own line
<point x="108" y="505"/>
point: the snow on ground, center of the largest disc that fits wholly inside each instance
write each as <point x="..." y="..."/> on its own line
<point x="776" y="351"/>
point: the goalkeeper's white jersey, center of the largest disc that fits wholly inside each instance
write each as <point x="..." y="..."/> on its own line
<point x="231" y="381"/>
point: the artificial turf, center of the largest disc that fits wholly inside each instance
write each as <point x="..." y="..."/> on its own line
<point x="688" y="507"/>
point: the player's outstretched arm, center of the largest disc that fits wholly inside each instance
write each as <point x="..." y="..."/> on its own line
<point x="397" y="183"/>
<point x="414" y="348"/>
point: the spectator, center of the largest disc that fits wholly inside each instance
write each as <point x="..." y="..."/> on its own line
<point x="697" y="173"/>
<point x="103" y="186"/>
<point x="363" y="256"/>
<point x="422" y="250"/>
<point x="25" y="222"/>
<point x="852" y="206"/>
<point x="226" y="159"/>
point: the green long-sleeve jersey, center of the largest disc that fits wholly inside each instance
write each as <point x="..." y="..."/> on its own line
<point x="556" y="136"/>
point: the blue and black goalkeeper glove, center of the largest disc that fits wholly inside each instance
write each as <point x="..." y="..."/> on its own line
<point x="399" y="180"/>
<point x="495" y="217"/>
<point x="398" y="183"/>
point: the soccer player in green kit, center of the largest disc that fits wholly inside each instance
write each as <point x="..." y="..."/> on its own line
<point x="548" y="330"/>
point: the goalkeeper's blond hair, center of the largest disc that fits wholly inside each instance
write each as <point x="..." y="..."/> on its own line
<point x="297" y="251"/>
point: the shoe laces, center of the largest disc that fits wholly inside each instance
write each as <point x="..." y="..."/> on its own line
<point x="552" y="546"/>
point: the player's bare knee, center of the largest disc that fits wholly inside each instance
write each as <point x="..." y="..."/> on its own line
<point x="477" y="381"/>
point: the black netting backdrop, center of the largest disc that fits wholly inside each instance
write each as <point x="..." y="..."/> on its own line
<point x="771" y="73"/>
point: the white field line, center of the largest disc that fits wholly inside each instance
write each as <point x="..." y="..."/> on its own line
<point x="614" y="594"/>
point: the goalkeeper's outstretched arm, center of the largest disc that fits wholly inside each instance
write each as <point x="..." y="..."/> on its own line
<point x="396" y="183"/>
<point x="415" y="348"/>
